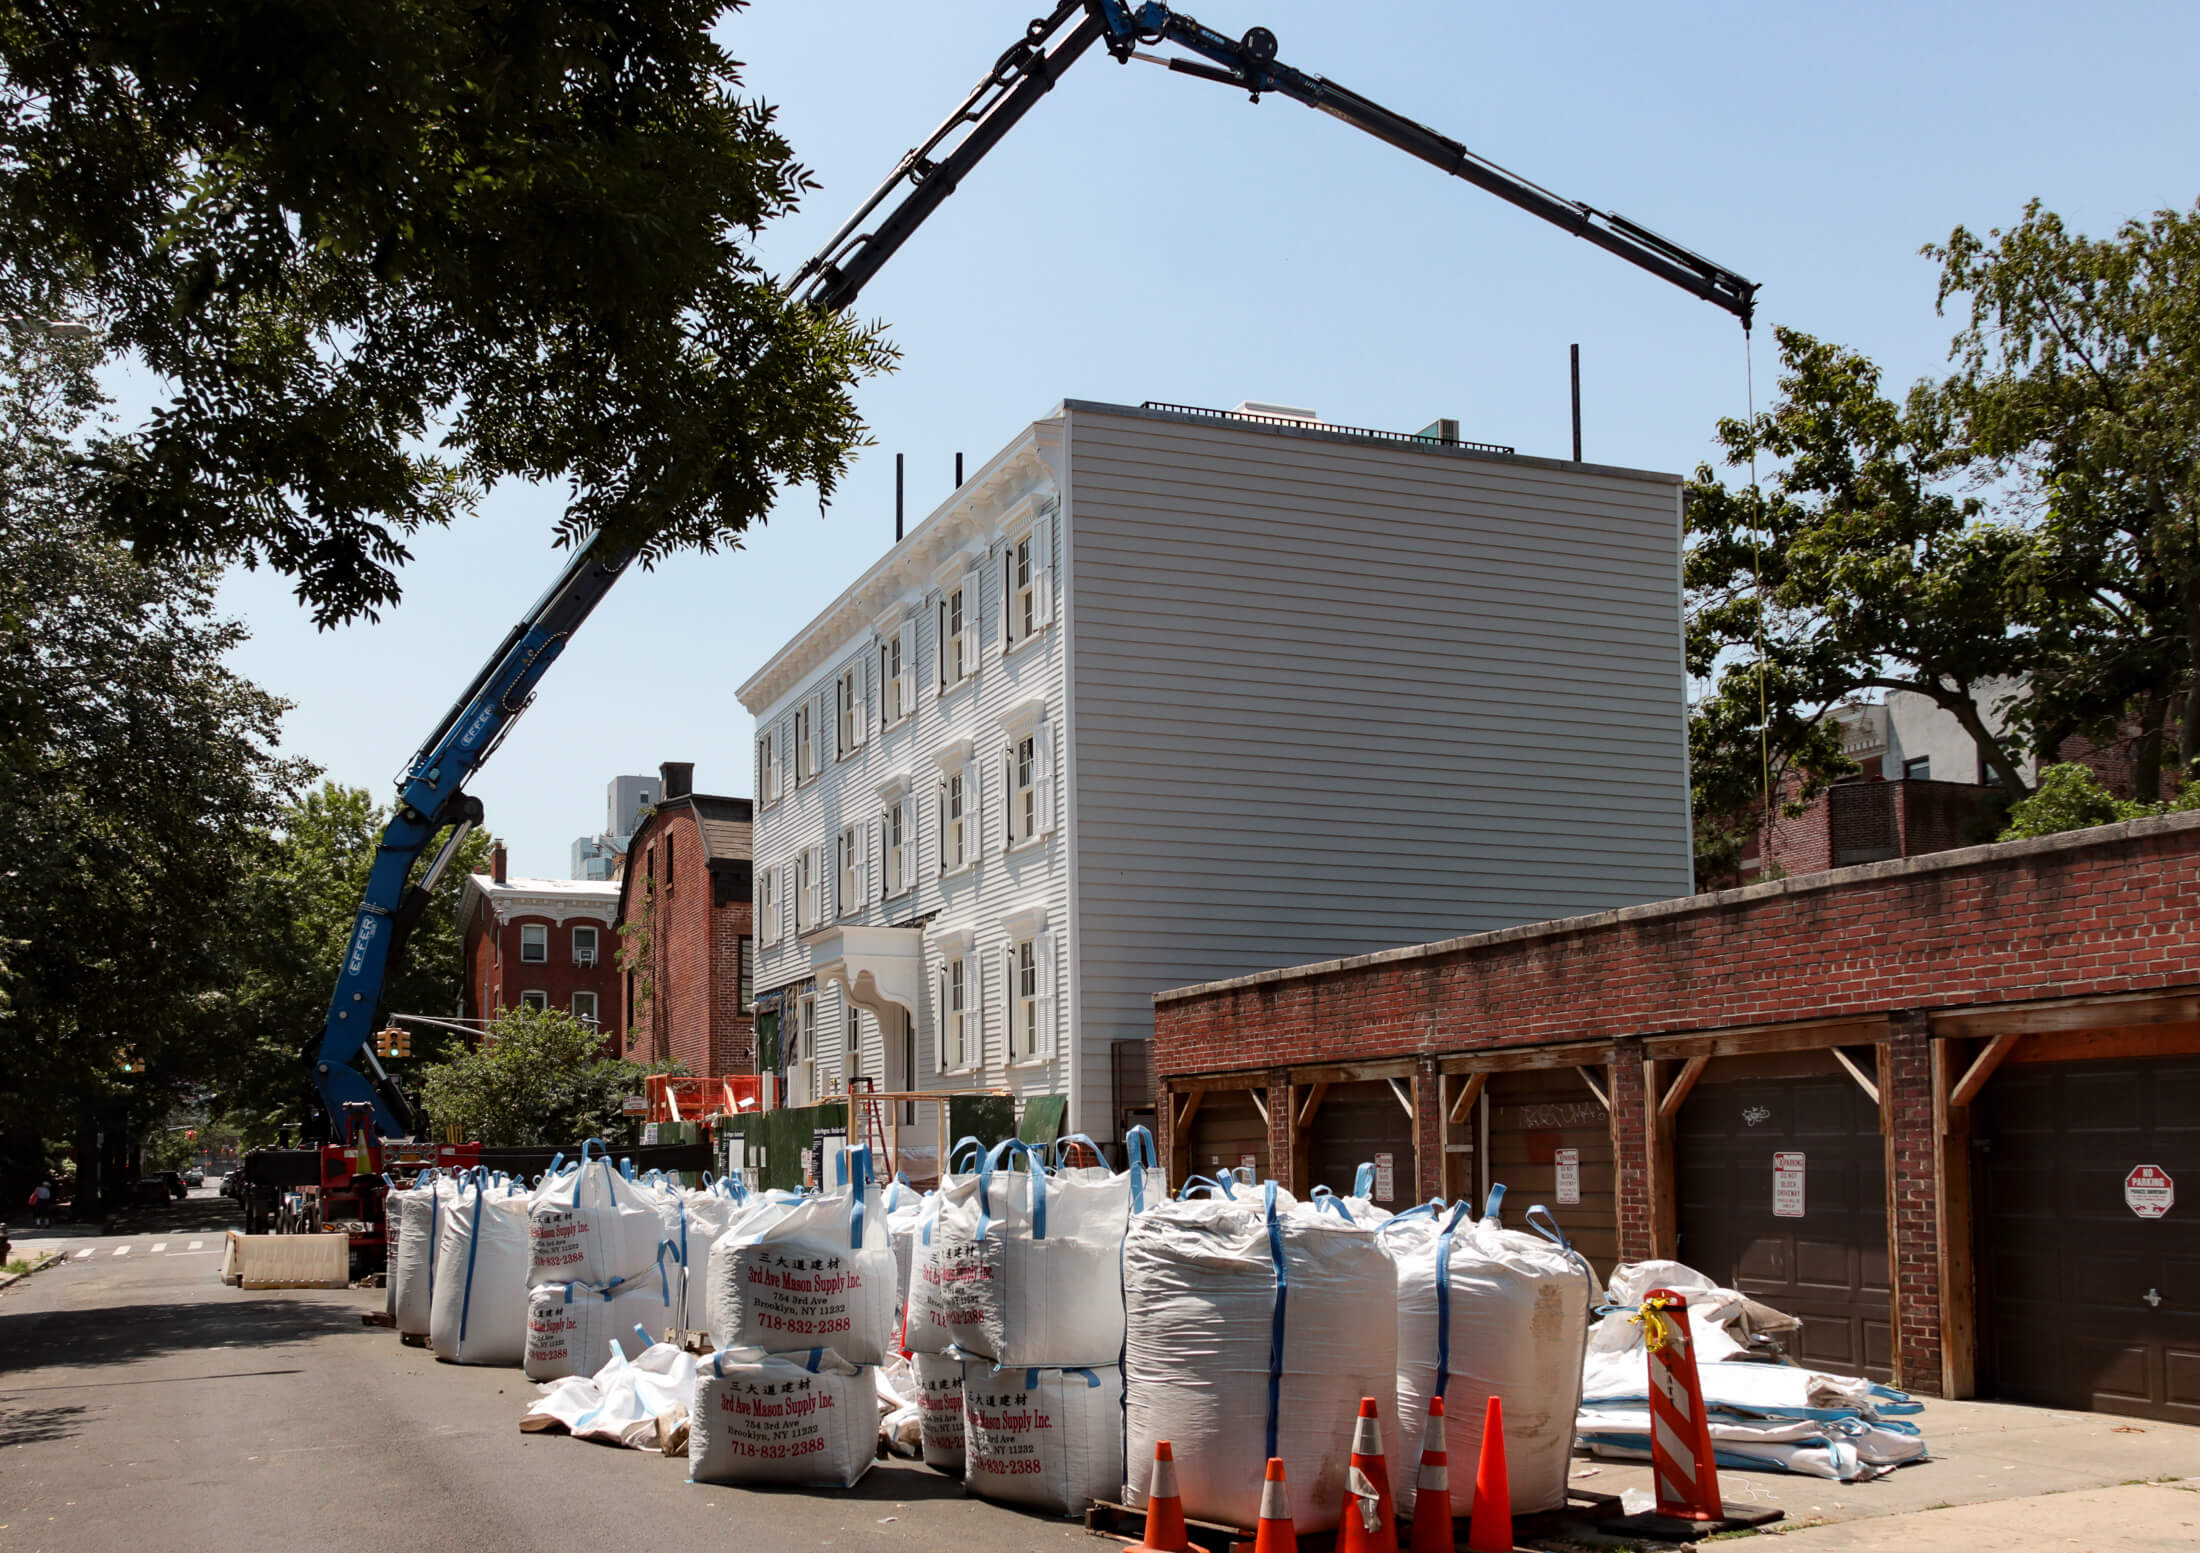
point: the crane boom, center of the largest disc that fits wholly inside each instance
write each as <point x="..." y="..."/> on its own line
<point x="432" y="800"/>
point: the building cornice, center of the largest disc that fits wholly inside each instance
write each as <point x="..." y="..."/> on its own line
<point x="965" y="524"/>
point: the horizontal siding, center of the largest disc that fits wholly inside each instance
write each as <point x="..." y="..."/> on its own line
<point x="1330" y="697"/>
<point x="979" y="897"/>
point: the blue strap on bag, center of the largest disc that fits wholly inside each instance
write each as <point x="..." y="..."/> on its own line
<point x="1363" y="1181"/>
<point x="1138" y="1151"/>
<point x="1276" y="1319"/>
<point x="1443" y="1294"/>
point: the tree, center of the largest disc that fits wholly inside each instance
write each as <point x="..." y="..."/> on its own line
<point x="2069" y="797"/>
<point x="2076" y="367"/>
<point x="383" y="256"/>
<point x="1864" y="566"/>
<point x="135" y="770"/>
<point x="545" y="1078"/>
<point x="303" y="883"/>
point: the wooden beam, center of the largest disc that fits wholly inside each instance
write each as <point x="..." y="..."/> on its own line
<point x="1742" y="1040"/>
<point x="1191" y="1109"/>
<point x="2119" y="1044"/>
<point x="1952" y="1215"/>
<point x="2095" y="1013"/>
<point x="1676" y="1093"/>
<point x="1353" y="1072"/>
<point x="1855" y="1072"/>
<point x="1469" y="1092"/>
<point x="1185" y="1083"/>
<point x="1596" y="1089"/>
<point x="1513" y="1059"/>
<point x="1259" y="1104"/>
<point x="1982" y="1068"/>
<point x="1313" y="1103"/>
<point x="1405" y="1098"/>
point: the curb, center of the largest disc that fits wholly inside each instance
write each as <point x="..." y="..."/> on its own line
<point x="10" y="1280"/>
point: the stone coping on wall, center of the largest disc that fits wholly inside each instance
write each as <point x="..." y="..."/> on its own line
<point x="1993" y="855"/>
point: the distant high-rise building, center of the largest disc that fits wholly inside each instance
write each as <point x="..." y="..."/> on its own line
<point x="626" y="800"/>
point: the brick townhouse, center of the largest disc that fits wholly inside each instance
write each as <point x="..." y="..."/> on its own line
<point x="1940" y="1107"/>
<point x="546" y="943"/>
<point x="687" y="989"/>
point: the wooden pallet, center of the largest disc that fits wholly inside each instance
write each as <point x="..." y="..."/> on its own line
<point x="1582" y="1507"/>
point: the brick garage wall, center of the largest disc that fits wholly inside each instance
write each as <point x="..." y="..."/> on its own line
<point x="2091" y="913"/>
<point x="733" y="1030"/>
<point x="2115" y="909"/>
<point x="694" y="1013"/>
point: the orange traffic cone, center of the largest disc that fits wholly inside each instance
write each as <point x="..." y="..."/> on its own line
<point x="1491" y="1529"/>
<point x="1164" y="1507"/>
<point x="1432" y="1489"/>
<point x="1275" y="1534"/>
<point x="1367" y="1525"/>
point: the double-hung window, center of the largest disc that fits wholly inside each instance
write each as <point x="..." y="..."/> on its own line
<point x="805" y="741"/>
<point x="1024" y="990"/>
<point x="897" y="849"/>
<point x="767" y="905"/>
<point x="767" y="766"/>
<point x="534" y="943"/>
<point x="1023" y="809"/>
<point x="852" y="711"/>
<point x="956" y="1046"/>
<point x="584" y="946"/>
<point x="954" y="830"/>
<point x="533" y="998"/>
<point x="748" y="972"/>
<point x="584" y="1007"/>
<point x="806" y="883"/>
<point x="851" y="893"/>
<point x="1027" y="585"/>
<point x="954" y="639"/>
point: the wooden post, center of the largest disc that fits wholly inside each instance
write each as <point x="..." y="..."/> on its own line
<point x="1952" y="1211"/>
<point x="1663" y="1096"/>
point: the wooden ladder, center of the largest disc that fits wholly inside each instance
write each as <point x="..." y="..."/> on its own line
<point x="873" y="1130"/>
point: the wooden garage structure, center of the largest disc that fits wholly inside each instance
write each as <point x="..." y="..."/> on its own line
<point x="1946" y="1109"/>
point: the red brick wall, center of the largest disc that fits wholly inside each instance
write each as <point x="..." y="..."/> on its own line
<point x="694" y="1015"/>
<point x="495" y="976"/>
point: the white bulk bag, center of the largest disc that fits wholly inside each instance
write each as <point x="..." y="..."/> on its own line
<point x="904" y="1211"/>
<point x="809" y="1419"/>
<point x="1048" y="1438"/>
<point x="924" y="1299"/>
<point x="1487" y="1311"/>
<point x="1036" y="1262"/>
<point x="591" y="1226"/>
<point x="413" y="1255"/>
<point x="939" y="1380"/>
<point x="1256" y="1324"/>
<point x="818" y="1275"/>
<point x="750" y="1216"/>
<point x="624" y="1403"/>
<point x="478" y="1314"/>
<point x="571" y="1327"/>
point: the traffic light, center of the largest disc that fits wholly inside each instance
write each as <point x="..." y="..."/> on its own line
<point x="404" y="1043"/>
<point x="385" y="1041"/>
<point x="128" y="1062"/>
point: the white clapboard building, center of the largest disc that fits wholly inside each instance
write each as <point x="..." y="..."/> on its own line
<point x="1160" y="696"/>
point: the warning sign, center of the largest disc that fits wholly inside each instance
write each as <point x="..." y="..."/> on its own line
<point x="1569" y="1174"/>
<point x="1787" y="1186"/>
<point x="1386" y="1182"/>
<point x="1250" y="1164"/>
<point x="2149" y="1192"/>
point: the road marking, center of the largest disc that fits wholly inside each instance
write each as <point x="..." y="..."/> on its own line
<point x="158" y="1247"/>
<point x="81" y="1255"/>
<point x="122" y="1251"/>
<point x="194" y="1245"/>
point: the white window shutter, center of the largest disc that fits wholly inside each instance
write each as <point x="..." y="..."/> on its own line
<point x="941" y="826"/>
<point x="908" y="675"/>
<point x="939" y="1020"/>
<point x="1042" y="779"/>
<point x="783" y="908"/>
<point x="1005" y="636"/>
<point x="909" y="844"/>
<point x="973" y="609"/>
<point x="786" y="760"/>
<point x="1008" y="800"/>
<point x="974" y="1004"/>
<point x="1010" y="992"/>
<point x="1042" y="570"/>
<point x="827" y="885"/>
<point x="973" y="837"/>
<point x="1042" y="952"/>
<point x="862" y="868"/>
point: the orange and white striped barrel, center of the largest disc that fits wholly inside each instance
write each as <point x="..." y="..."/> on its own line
<point x="1680" y="1435"/>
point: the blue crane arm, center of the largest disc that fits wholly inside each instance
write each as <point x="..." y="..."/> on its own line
<point x="432" y="799"/>
<point x="1250" y="65"/>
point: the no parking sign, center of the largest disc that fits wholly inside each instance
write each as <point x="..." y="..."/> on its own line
<point x="2149" y="1192"/>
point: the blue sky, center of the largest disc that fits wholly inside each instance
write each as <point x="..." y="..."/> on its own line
<point x="1147" y="236"/>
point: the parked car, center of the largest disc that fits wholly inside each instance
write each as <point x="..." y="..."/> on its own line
<point x="194" y="1177"/>
<point x="174" y="1178"/>
<point x="150" y="1191"/>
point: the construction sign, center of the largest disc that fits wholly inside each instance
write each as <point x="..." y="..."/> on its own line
<point x="2149" y="1192"/>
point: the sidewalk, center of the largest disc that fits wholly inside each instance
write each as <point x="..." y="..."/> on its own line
<point x="2129" y="1518"/>
<point x="1989" y="1461"/>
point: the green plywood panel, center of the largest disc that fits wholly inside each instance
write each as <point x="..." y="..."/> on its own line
<point x="988" y="1118"/>
<point x="1043" y="1115"/>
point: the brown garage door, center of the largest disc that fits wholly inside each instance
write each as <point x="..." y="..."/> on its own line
<point x="1226" y="1132"/>
<point x="1363" y="1124"/>
<point x="1828" y="1265"/>
<point x="2082" y="1302"/>
<point x="1536" y="1119"/>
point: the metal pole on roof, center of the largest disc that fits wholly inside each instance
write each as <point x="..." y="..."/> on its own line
<point x="1577" y="402"/>
<point x="958" y="471"/>
<point x="899" y="460"/>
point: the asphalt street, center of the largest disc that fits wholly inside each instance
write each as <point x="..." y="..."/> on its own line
<point x="145" y="1404"/>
